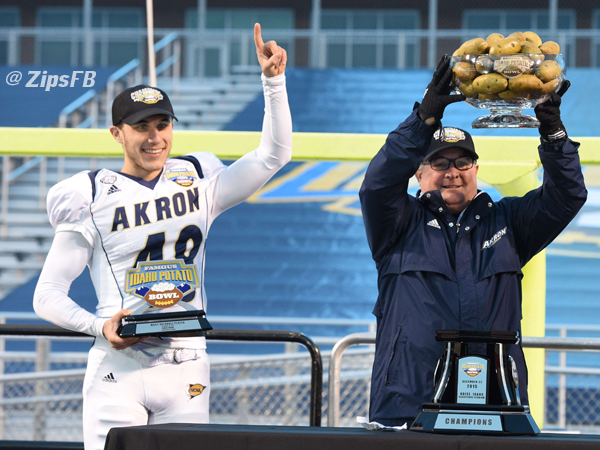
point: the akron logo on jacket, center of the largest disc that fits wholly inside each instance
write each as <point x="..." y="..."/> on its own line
<point x="162" y="284"/>
<point x="494" y="239"/>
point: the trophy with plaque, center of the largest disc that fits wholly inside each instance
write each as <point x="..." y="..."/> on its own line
<point x="474" y="393"/>
<point x="167" y="288"/>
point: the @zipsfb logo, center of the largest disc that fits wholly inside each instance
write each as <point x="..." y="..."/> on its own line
<point x="41" y="79"/>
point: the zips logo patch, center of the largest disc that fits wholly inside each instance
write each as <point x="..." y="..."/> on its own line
<point x="494" y="239"/>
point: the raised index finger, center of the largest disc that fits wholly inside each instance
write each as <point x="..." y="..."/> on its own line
<point x="257" y="37"/>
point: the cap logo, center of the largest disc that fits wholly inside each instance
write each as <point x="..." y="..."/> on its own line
<point x="449" y="134"/>
<point x="147" y="95"/>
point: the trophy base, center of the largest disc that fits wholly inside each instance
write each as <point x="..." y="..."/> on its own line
<point x="175" y="324"/>
<point x="448" y="418"/>
<point x="506" y="119"/>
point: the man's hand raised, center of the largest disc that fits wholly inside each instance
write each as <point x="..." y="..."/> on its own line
<point x="438" y="94"/>
<point x="272" y="58"/>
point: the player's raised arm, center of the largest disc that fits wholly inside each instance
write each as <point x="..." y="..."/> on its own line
<point x="271" y="57"/>
<point x="249" y="173"/>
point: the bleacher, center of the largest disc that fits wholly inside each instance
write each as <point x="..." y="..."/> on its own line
<point x="210" y="104"/>
<point x="376" y="101"/>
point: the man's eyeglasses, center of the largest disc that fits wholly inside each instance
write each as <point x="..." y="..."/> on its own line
<point x="441" y="163"/>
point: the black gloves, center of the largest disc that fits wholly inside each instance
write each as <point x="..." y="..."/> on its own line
<point x="437" y="95"/>
<point x="548" y="113"/>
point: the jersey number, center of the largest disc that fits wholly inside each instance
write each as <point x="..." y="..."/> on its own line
<point x="153" y="251"/>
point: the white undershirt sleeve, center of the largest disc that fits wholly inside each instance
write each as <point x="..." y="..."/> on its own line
<point x="249" y="173"/>
<point x="66" y="260"/>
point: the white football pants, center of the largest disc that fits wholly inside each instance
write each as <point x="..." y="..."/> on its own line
<point x="119" y="391"/>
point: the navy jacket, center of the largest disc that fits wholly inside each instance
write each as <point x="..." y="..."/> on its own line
<point x="432" y="277"/>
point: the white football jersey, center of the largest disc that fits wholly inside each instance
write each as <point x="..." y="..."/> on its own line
<point x="148" y="243"/>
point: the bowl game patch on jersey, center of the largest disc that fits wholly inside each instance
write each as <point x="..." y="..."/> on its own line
<point x="162" y="284"/>
<point x="181" y="176"/>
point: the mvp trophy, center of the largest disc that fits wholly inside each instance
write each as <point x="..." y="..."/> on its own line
<point x="163" y="285"/>
<point x="475" y="394"/>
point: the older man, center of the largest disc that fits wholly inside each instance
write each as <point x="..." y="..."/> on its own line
<point x="451" y="258"/>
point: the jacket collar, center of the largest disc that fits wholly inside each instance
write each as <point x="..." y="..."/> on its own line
<point x="479" y="207"/>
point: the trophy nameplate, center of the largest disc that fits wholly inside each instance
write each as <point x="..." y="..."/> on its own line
<point x="167" y="288"/>
<point x="475" y="394"/>
<point x="184" y="323"/>
<point x="472" y="380"/>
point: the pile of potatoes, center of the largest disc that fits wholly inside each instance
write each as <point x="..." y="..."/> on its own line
<point x="517" y="67"/>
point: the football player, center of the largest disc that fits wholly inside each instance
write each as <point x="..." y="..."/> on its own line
<point x="143" y="230"/>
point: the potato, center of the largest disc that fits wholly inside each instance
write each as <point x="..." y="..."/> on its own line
<point x="518" y="35"/>
<point x="550" y="86"/>
<point x="475" y="46"/>
<point x="491" y="83"/>
<point x="464" y="71"/>
<point x="467" y="88"/>
<point x="492" y="38"/>
<point x="528" y="47"/>
<point x="509" y="95"/>
<point x="533" y="38"/>
<point x="548" y="70"/>
<point x="485" y="97"/>
<point x="526" y="84"/>
<point x="550" y="47"/>
<point x="484" y="64"/>
<point x="506" y="46"/>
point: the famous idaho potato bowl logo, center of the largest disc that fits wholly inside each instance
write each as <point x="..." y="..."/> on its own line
<point x="162" y="283"/>
<point x="472" y="369"/>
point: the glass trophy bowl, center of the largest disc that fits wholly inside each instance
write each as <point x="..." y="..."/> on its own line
<point x="505" y="84"/>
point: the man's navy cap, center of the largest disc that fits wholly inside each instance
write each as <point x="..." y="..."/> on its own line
<point x="136" y="103"/>
<point x="450" y="137"/>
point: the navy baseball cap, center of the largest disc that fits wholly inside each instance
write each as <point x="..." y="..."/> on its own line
<point x="138" y="102"/>
<point x="450" y="137"/>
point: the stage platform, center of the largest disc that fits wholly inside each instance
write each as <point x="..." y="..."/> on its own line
<point x="247" y="437"/>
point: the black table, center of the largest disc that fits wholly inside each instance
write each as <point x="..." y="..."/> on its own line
<point x="253" y="437"/>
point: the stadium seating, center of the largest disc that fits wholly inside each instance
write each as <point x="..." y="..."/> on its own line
<point x="376" y="101"/>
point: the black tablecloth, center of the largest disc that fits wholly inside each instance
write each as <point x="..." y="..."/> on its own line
<point x="250" y="437"/>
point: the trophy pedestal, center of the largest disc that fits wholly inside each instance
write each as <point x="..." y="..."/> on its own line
<point x="180" y="324"/>
<point x="485" y="419"/>
<point x="476" y="387"/>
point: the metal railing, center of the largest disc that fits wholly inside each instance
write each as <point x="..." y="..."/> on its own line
<point x="234" y="46"/>
<point x="8" y="177"/>
<point x="547" y="343"/>
<point x="89" y="99"/>
<point x="132" y="72"/>
<point x="316" y="377"/>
